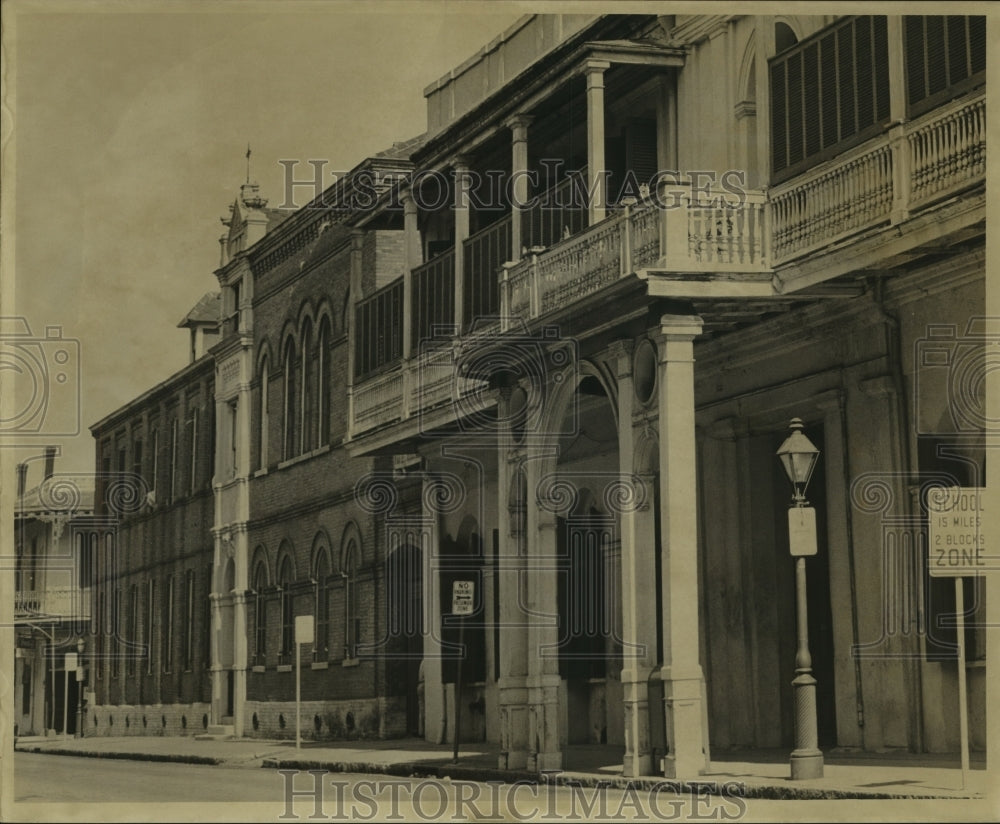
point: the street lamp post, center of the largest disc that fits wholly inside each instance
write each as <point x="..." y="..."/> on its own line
<point x="80" y="645"/>
<point x="798" y="456"/>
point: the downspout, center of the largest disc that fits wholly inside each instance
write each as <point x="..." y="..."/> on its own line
<point x="893" y="346"/>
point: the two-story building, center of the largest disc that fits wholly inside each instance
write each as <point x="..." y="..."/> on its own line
<point x="56" y="540"/>
<point x="637" y="247"/>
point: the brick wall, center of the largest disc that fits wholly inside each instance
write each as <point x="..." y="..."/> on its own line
<point x="146" y="719"/>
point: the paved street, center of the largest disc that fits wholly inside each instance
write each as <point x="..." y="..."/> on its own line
<point x="62" y="788"/>
<point x="62" y="778"/>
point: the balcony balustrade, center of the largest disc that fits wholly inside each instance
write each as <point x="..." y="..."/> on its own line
<point x="882" y="180"/>
<point x="62" y="603"/>
<point x="684" y="229"/>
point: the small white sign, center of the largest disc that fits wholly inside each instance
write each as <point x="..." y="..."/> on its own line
<point x="956" y="533"/>
<point x="72" y="662"/>
<point x="463" y="594"/>
<point x="802" y="531"/>
<point x="303" y="629"/>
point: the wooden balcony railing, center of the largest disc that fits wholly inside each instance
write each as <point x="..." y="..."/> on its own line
<point x="882" y="180"/>
<point x="433" y="305"/>
<point x="52" y="603"/>
<point x="681" y="231"/>
<point x="379" y="329"/>
<point x="485" y="253"/>
<point x="711" y="231"/>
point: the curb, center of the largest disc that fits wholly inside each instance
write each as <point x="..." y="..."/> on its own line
<point x="173" y="758"/>
<point x="730" y="788"/>
<point x="405" y="769"/>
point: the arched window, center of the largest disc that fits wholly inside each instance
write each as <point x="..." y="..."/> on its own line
<point x="285" y="579"/>
<point x="264" y="415"/>
<point x="323" y="374"/>
<point x="784" y="37"/>
<point x="321" y="575"/>
<point x="352" y="624"/>
<point x="289" y="422"/>
<point x="307" y="390"/>
<point x="260" y="612"/>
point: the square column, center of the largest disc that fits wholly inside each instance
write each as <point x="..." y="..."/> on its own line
<point x="681" y="673"/>
<point x="461" y="233"/>
<point x="414" y="256"/>
<point x="519" y="176"/>
<point x="596" y="177"/>
<point x="511" y="688"/>
<point x="638" y="539"/>
<point x="543" y="681"/>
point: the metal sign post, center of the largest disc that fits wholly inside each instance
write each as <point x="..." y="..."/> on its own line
<point x="303" y="635"/>
<point x="69" y="663"/>
<point x="462" y="604"/>
<point x="956" y="548"/>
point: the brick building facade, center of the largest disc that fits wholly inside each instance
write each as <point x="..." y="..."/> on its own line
<point x="574" y="403"/>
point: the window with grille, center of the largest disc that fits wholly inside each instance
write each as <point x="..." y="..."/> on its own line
<point x="828" y="92"/>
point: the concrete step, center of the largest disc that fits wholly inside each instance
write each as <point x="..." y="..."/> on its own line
<point x="216" y="732"/>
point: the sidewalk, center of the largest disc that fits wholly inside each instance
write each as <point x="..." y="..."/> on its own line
<point x="764" y="773"/>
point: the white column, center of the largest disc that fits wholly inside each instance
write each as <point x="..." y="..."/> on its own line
<point x="414" y="257"/>
<point x="596" y="164"/>
<point x="681" y="673"/>
<point x="518" y="168"/>
<point x="764" y="38"/>
<point x="544" y="751"/>
<point x="666" y="123"/>
<point x="511" y="688"/>
<point x="897" y="116"/>
<point x="461" y="233"/>
<point x="637" y="576"/>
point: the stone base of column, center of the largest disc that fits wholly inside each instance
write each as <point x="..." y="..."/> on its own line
<point x="638" y="759"/>
<point x="544" y="750"/>
<point x="685" y="727"/>
<point x="806" y="764"/>
<point x="514" y="723"/>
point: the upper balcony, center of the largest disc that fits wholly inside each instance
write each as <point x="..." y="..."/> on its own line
<point x="903" y="176"/>
<point x="685" y="241"/>
<point x="51" y="604"/>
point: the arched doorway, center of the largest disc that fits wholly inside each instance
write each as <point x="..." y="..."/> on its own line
<point x="588" y="561"/>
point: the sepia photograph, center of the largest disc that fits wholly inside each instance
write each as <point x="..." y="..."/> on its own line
<point x="487" y="411"/>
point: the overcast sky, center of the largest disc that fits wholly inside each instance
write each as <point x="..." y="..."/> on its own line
<point x="130" y="134"/>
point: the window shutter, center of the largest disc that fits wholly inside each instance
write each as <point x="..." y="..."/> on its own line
<point x="937" y="77"/>
<point x="845" y="77"/>
<point x="977" y="43"/>
<point x="640" y="149"/>
<point x="915" y="64"/>
<point x="828" y="89"/>
<point x="864" y="72"/>
<point x="881" y="61"/>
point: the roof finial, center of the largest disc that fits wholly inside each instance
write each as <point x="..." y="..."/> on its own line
<point x="248" y="162"/>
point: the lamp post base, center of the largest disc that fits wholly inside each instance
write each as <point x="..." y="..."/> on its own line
<point x="806" y="764"/>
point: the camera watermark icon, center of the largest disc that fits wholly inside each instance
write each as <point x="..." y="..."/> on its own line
<point x="44" y="373"/>
<point x="953" y="364"/>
